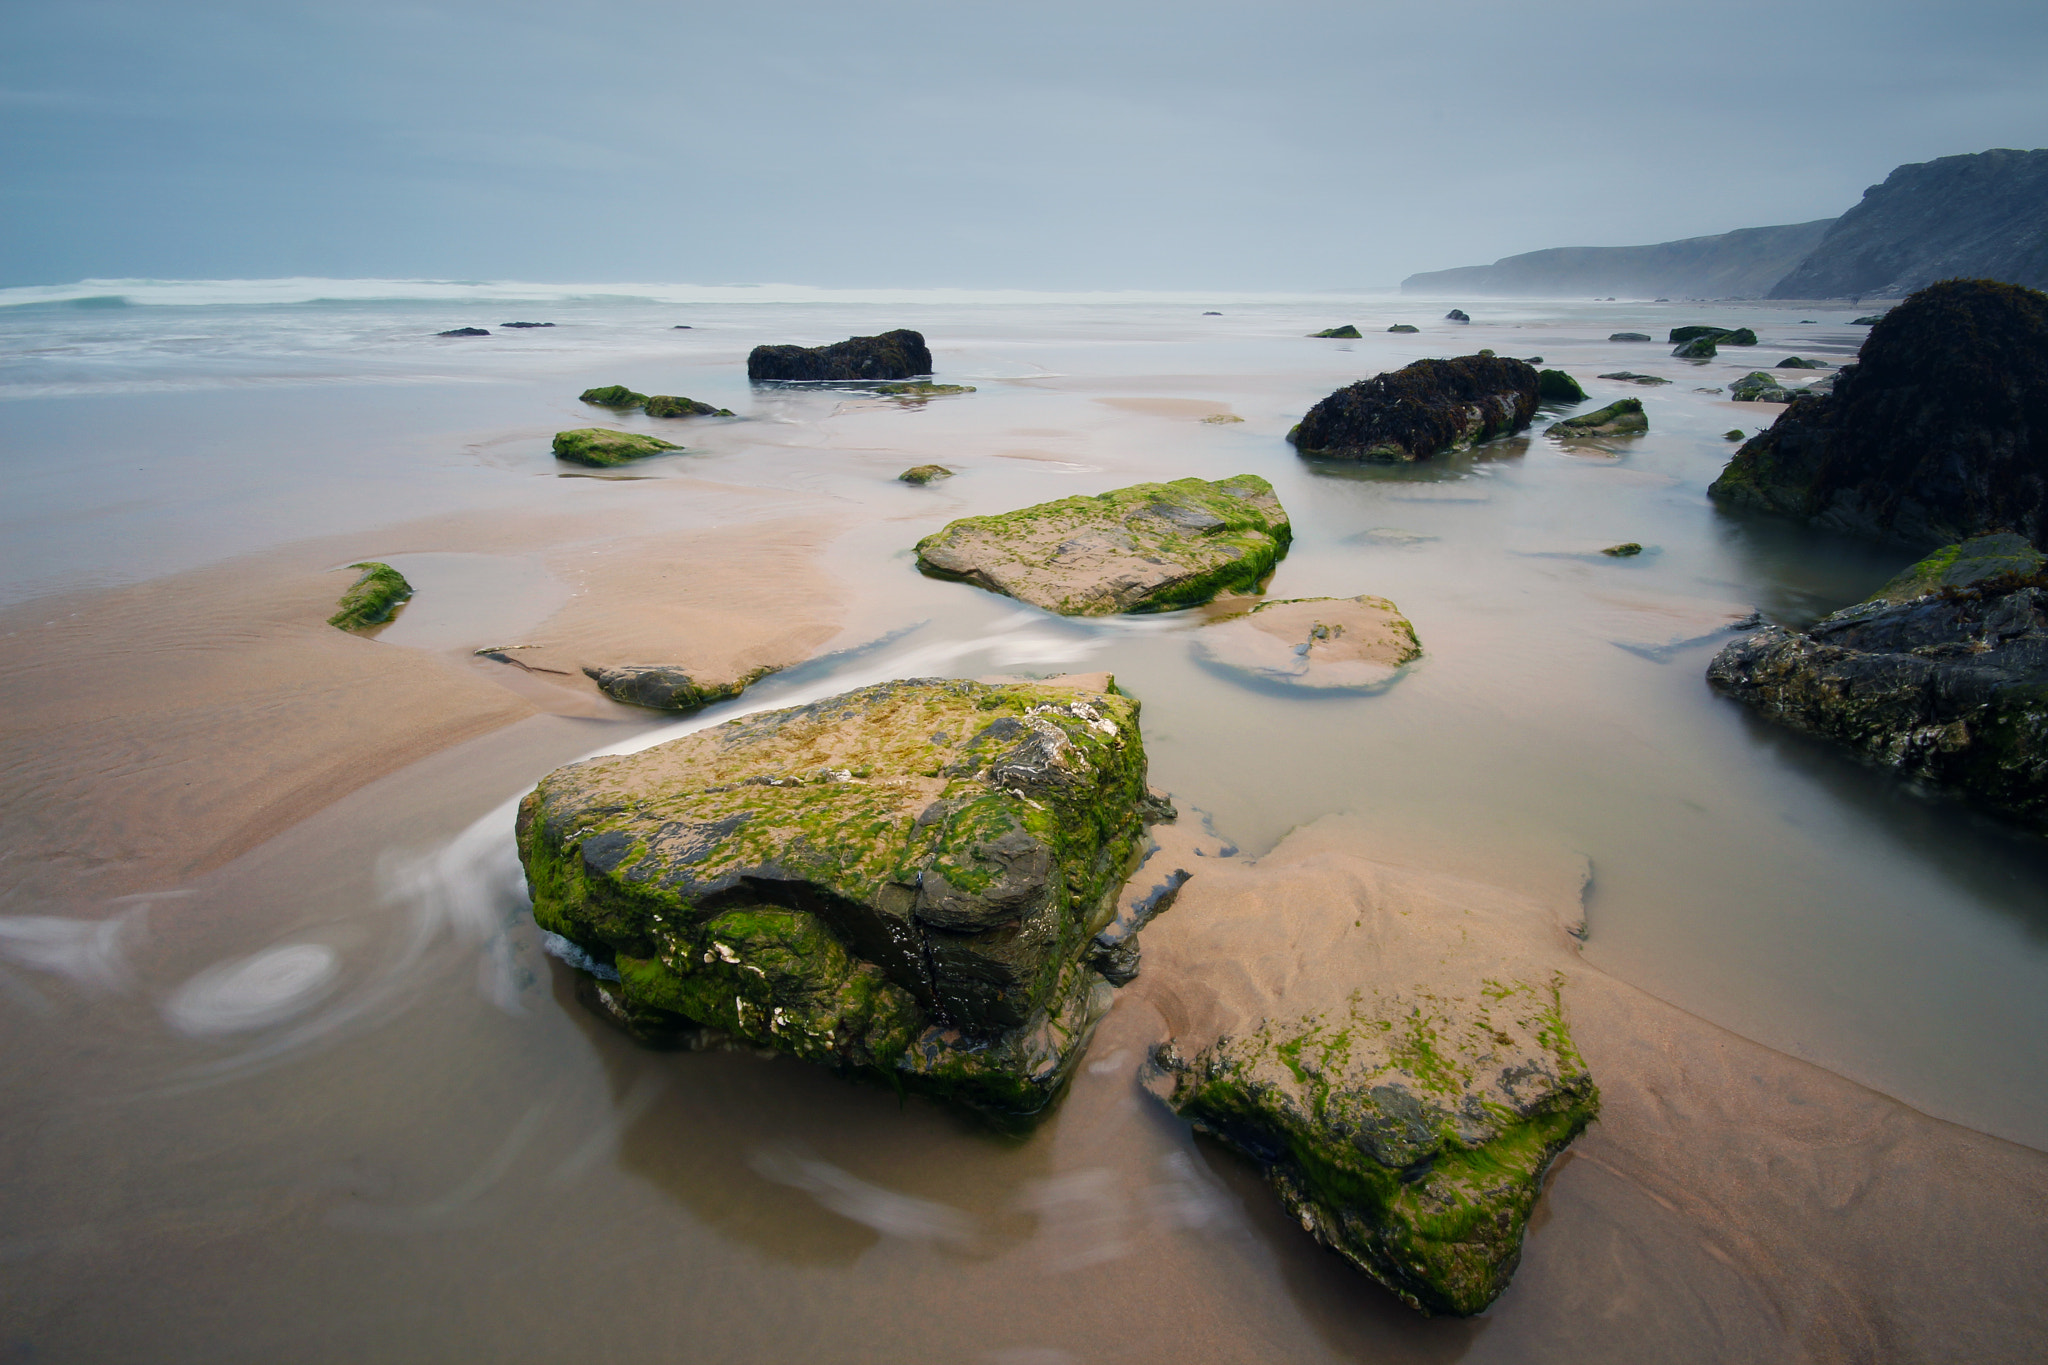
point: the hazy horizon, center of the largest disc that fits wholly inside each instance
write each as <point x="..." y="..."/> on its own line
<point x="916" y="144"/>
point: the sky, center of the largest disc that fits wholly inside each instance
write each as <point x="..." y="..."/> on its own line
<point x="1035" y="144"/>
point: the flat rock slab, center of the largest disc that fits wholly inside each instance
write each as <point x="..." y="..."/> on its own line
<point x="1321" y="643"/>
<point x="1149" y="547"/>
<point x="903" y="880"/>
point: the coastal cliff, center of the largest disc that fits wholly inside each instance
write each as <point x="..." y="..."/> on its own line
<point x="1739" y="264"/>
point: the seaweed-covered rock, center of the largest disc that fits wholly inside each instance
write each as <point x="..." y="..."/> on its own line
<point x="1699" y="348"/>
<point x="372" y="599"/>
<point x="602" y="448"/>
<point x="1628" y="549"/>
<point x="612" y="396"/>
<point x="1149" y="547"/>
<point x="1622" y="417"/>
<point x="665" y="687"/>
<point x="1555" y="386"/>
<point x="1937" y="434"/>
<point x="1796" y="362"/>
<point x="892" y="355"/>
<point x="901" y="881"/>
<point x="1867" y="320"/>
<point x="1628" y="336"/>
<point x="1457" y="315"/>
<point x="1346" y="332"/>
<point x="1696" y="332"/>
<point x="670" y="405"/>
<point x="464" y="332"/>
<point x="1404" y="327"/>
<point x="925" y="473"/>
<point x="918" y="390"/>
<point x="1629" y="376"/>
<point x="1394" y="1053"/>
<point x="1759" y="386"/>
<point x="1354" y="644"/>
<point x="1942" y="676"/>
<point x="1732" y="434"/>
<point x="1741" y="336"/>
<point x="1421" y="410"/>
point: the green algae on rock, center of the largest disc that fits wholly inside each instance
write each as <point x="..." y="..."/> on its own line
<point x="1555" y="386"/>
<point x="1699" y="348"/>
<point x="372" y="599"/>
<point x="665" y="687"/>
<point x="918" y="390"/>
<point x="1357" y="644"/>
<point x="1628" y="549"/>
<point x="902" y="881"/>
<point x="1149" y="547"/>
<point x="1695" y="332"/>
<point x="1419" y="410"/>
<point x="925" y="473"/>
<point x="1760" y="386"/>
<point x="613" y="396"/>
<point x="1941" y="676"/>
<point x="1404" y="327"/>
<point x="602" y="448"/>
<point x="1622" y="417"/>
<point x="1345" y="333"/>
<point x="671" y="405"/>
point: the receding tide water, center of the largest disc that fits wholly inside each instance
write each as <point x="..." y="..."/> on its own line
<point x="332" y="1101"/>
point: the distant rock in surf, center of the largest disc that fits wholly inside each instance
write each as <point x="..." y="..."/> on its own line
<point x="670" y="405"/>
<point x="1457" y="315"/>
<point x="1623" y="417"/>
<point x="665" y="687"/>
<point x="1346" y="333"/>
<point x="1759" y="386"/>
<point x="463" y="332"/>
<point x="1629" y="376"/>
<point x="612" y="396"/>
<point x="925" y="473"/>
<point x="1404" y="327"/>
<point x="1629" y="336"/>
<point x="1421" y="410"/>
<point x="523" y="325"/>
<point x="602" y="448"/>
<point x="892" y="355"/>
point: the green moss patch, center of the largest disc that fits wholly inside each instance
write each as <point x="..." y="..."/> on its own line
<point x="602" y="448"/>
<point x="372" y="599"/>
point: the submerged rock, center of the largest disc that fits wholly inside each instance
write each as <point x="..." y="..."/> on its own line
<point x="524" y="325"/>
<point x="464" y="332"/>
<point x="1150" y="547"/>
<point x="1555" y="386"/>
<point x="669" y="405"/>
<point x="1759" y="386"/>
<point x="925" y="473"/>
<point x="1633" y="378"/>
<point x="1699" y="348"/>
<point x="902" y="881"/>
<point x="665" y="687"/>
<point x="1322" y="643"/>
<point x="1942" y="676"/>
<point x="892" y="355"/>
<point x="1622" y="417"/>
<point x="1629" y="336"/>
<point x="1732" y="434"/>
<point x="372" y="599"/>
<point x="602" y="448"/>
<point x="917" y="390"/>
<point x="1938" y="433"/>
<point x="1457" y="315"/>
<point x="612" y="396"/>
<point x="1346" y="332"/>
<point x="1404" y="327"/>
<point x="1421" y="410"/>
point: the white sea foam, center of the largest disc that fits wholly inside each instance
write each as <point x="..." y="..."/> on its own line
<point x="252" y="992"/>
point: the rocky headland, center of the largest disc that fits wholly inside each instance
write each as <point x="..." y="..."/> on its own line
<point x="1423" y="409"/>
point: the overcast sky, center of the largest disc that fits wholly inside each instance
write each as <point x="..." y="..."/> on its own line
<point x="1288" y="144"/>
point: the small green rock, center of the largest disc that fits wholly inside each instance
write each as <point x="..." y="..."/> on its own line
<point x="1698" y="348"/>
<point x="668" y="405"/>
<point x="1732" y="434"/>
<point x="1741" y="336"/>
<point x="1403" y="327"/>
<point x="925" y="473"/>
<point x="1622" y="417"/>
<point x="613" y="396"/>
<point x="602" y="448"/>
<point x="1347" y="333"/>
<point x="1696" y="331"/>
<point x="1555" y="386"/>
<point x="917" y="390"/>
<point x="372" y="599"/>
<point x="1623" y="550"/>
<point x="1869" y="320"/>
<point x="1759" y="386"/>
<point x="1793" y="362"/>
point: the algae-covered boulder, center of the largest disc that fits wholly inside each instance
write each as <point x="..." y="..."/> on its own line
<point x="901" y="881"/>
<point x="612" y="396"/>
<point x="1795" y="362"/>
<point x="1941" y="676"/>
<point x="1867" y="320"/>
<point x="1628" y="549"/>
<point x="1555" y="386"/>
<point x="1699" y="348"/>
<point x="372" y="599"/>
<point x="892" y="355"/>
<point x="1346" y="332"/>
<point x="1622" y="417"/>
<point x="1629" y="376"/>
<point x="1391" y="1048"/>
<point x="1404" y="327"/>
<point x="1938" y="433"/>
<point x="1149" y="547"/>
<point x="925" y="473"/>
<point x="1628" y="336"/>
<point x="1696" y="332"/>
<point x="671" y="405"/>
<point x="1741" y="336"/>
<point x="1732" y="434"/>
<point x="1457" y="315"/>
<point x="920" y="390"/>
<point x="1354" y="644"/>
<point x="602" y="448"/>
<point x="1420" y="410"/>
<point x="1759" y="386"/>
<point x="665" y="687"/>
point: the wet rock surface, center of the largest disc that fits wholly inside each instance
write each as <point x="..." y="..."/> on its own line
<point x="603" y="448"/>
<point x="372" y="599"/>
<point x="665" y="687"/>
<point x="1555" y="386"/>
<point x="925" y="473"/>
<point x="903" y="881"/>
<point x="900" y="354"/>
<point x="1942" y="676"/>
<point x="1937" y="434"/>
<point x="1347" y="332"/>
<point x="1423" y="409"/>
<point x="1320" y="643"/>
<point x="1623" y="417"/>
<point x="1150" y="547"/>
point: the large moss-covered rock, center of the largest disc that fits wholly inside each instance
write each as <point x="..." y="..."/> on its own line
<point x="1149" y="547"/>
<point x="902" y="881"/>
<point x="1696" y="332"/>
<point x="1357" y="644"/>
<point x="1421" y="409"/>
<point x="892" y="355"/>
<point x="1941" y="676"/>
<point x="612" y="396"/>
<point x="1937" y="434"/>
<point x="1555" y="386"/>
<point x="1699" y="348"/>
<point x="602" y="448"/>
<point x="372" y="599"/>
<point x="1622" y="417"/>
<point x="1760" y="386"/>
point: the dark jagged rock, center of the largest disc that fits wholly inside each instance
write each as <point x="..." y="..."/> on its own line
<point x="1939" y="433"/>
<point x="1977" y="216"/>
<point x="1457" y="315"/>
<point x="1699" y="348"/>
<point x="602" y="448"/>
<point x="1555" y="386"/>
<point x="892" y="355"/>
<point x="1421" y="410"/>
<point x="372" y="599"/>
<point x="1150" y="547"/>
<point x="1941" y="677"/>
<point x="612" y="396"/>
<point x="1347" y="332"/>
<point x="1759" y="386"/>
<point x="1629" y="336"/>
<point x="1404" y="327"/>
<point x="1633" y="378"/>
<point x="664" y="687"/>
<point x="669" y="405"/>
<point x="1622" y="417"/>
<point x="903" y="881"/>
<point x="1741" y="336"/>
<point x="1696" y="331"/>
<point x="464" y="332"/>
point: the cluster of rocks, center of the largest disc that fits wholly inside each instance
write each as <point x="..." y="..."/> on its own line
<point x="618" y="396"/>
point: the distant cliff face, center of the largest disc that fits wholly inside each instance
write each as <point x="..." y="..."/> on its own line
<point x="1740" y="264"/>
<point x="1984" y="216"/>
